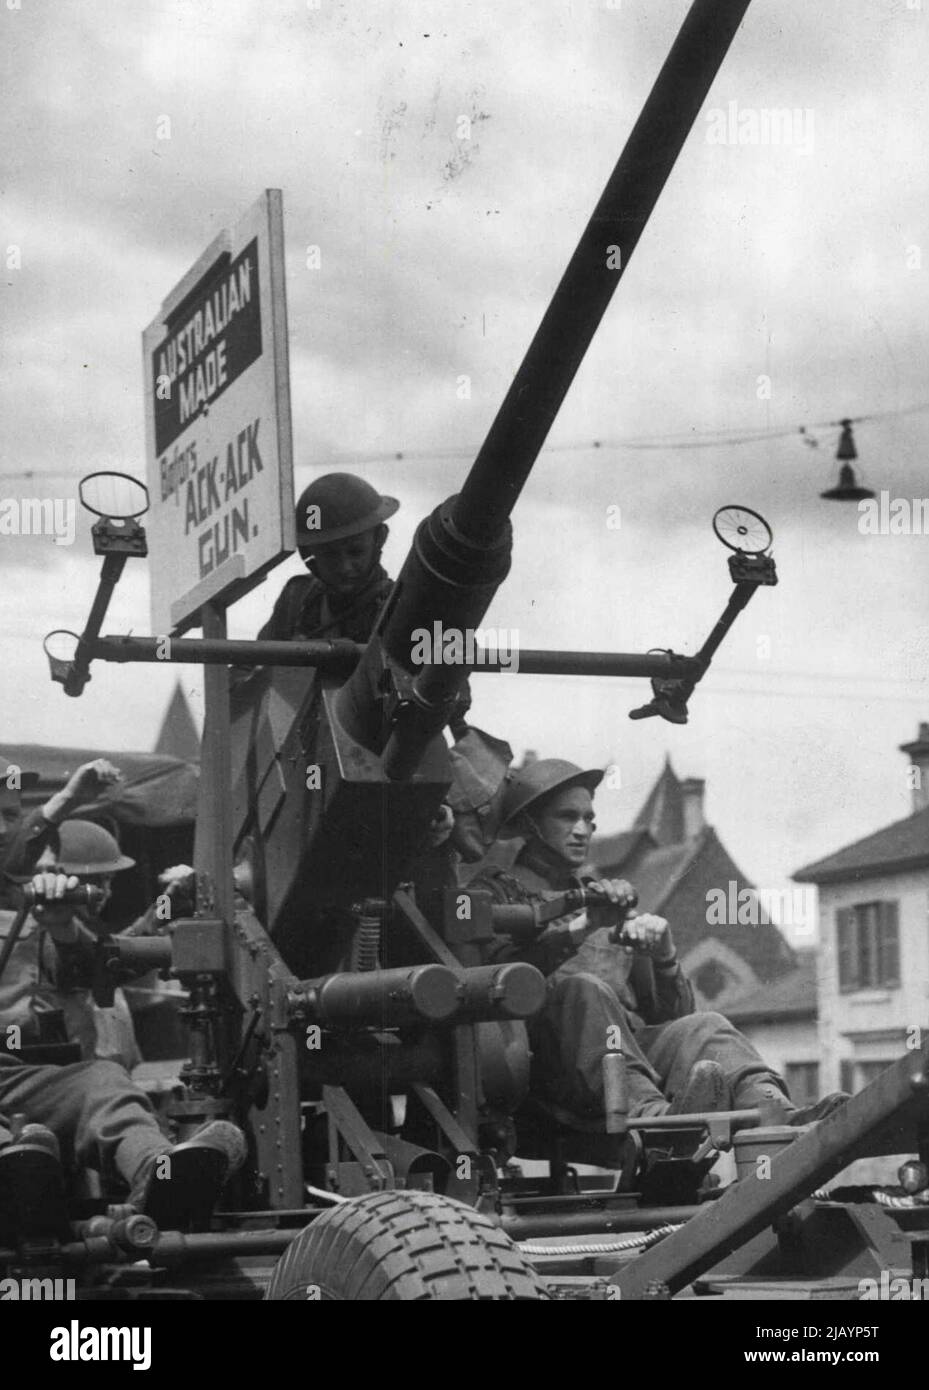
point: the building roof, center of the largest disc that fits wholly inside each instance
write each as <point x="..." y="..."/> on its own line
<point x="660" y="870"/>
<point x="178" y="736"/>
<point x="612" y="850"/>
<point x="791" y="996"/>
<point x="902" y="845"/>
<point x="663" y="812"/>
<point x="674" y="876"/>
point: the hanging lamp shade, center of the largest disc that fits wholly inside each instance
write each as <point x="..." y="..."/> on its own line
<point x="848" y="489"/>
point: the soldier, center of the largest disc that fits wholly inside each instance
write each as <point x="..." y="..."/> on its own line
<point x="45" y="986"/>
<point x="92" y="1107"/>
<point x="595" y="986"/>
<point x="23" y="838"/>
<point x="340" y="536"/>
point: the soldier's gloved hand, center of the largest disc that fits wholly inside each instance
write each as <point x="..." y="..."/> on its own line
<point x="179" y="882"/>
<point x="649" y="934"/>
<point x="180" y="877"/>
<point x="617" y="896"/>
<point x="441" y="826"/>
<point x="48" y="888"/>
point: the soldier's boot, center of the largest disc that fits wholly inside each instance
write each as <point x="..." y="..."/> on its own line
<point x="32" y="1189"/>
<point x="766" y="1091"/>
<point x="180" y="1188"/>
<point x="809" y="1114"/>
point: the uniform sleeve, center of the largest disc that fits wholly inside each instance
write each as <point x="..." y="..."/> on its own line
<point x="547" y="951"/>
<point x="674" y="997"/>
<point x="27" y="844"/>
<point x="273" y="630"/>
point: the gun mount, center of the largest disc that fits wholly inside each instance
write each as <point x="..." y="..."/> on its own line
<point x="341" y="1013"/>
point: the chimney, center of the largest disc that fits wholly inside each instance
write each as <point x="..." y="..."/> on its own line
<point x="919" y="758"/>
<point x="692" y="789"/>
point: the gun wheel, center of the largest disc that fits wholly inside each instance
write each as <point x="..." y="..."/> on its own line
<point x="413" y="1246"/>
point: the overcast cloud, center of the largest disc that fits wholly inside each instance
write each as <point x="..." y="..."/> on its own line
<point x="804" y="263"/>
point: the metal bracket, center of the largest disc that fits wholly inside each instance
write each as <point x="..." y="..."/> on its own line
<point x="347" y="1122"/>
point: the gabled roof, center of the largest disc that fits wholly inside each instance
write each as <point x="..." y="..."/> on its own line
<point x="662" y="869"/>
<point x="902" y="845"/>
<point x="673" y="880"/>
<point x="612" y="851"/>
<point x="791" y="996"/>
<point x="178" y="736"/>
<point x="663" y="812"/>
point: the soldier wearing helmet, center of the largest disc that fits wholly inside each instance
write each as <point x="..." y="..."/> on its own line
<point x="340" y="535"/>
<point x="698" y="1060"/>
<point x="91" y="1107"/>
<point x="23" y="838"/>
<point x="45" y="990"/>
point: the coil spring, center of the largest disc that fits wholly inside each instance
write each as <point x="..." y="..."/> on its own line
<point x="366" y="943"/>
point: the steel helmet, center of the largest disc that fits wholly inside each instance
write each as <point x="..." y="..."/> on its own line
<point x="347" y="507"/>
<point x="81" y="847"/>
<point x="529" y="784"/>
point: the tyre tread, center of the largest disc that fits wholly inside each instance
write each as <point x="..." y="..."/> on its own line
<point x="411" y="1246"/>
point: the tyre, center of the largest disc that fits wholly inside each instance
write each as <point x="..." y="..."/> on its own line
<point x="404" y="1245"/>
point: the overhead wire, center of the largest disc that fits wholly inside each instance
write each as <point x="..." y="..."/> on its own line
<point x="720" y="437"/>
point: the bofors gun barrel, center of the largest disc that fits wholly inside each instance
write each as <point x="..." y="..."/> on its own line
<point x="461" y="553"/>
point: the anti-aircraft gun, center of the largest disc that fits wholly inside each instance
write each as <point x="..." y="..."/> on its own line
<point x="337" y="1004"/>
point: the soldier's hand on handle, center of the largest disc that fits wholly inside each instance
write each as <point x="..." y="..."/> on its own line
<point x="618" y="896"/>
<point x="52" y="884"/>
<point x="649" y="934"/>
<point x="48" y="888"/>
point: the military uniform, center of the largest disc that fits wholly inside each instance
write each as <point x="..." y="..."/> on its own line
<point x="306" y="610"/>
<point x="43" y="978"/>
<point x="601" y="987"/>
<point x="24" y="848"/>
<point x="98" y="1115"/>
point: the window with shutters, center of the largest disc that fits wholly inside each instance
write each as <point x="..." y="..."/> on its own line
<point x="854" y="1075"/>
<point x="867" y="937"/>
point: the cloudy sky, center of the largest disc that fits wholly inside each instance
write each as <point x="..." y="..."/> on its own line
<point x="776" y="285"/>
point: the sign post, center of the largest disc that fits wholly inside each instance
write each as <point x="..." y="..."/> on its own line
<point x="220" y="476"/>
<point x="217" y="423"/>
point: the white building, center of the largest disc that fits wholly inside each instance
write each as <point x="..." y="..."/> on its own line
<point x="873" y="975"/>
<point x="780" y="1019"/>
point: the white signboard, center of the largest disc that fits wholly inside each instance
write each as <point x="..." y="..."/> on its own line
<point x="217" y="423"/>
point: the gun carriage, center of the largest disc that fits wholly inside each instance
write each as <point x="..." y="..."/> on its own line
<point x="338" y="1007"/>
